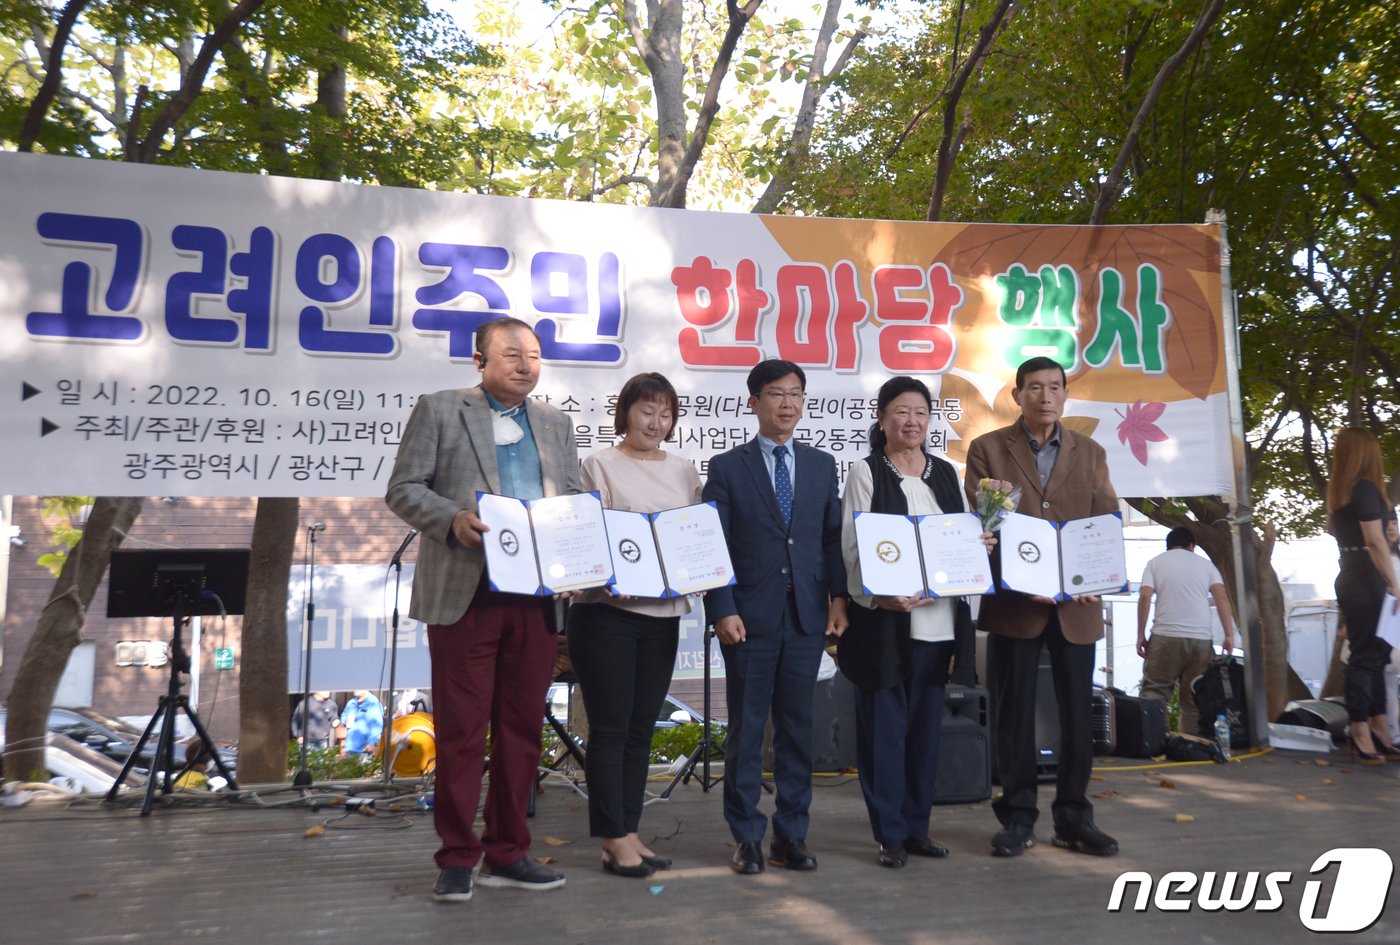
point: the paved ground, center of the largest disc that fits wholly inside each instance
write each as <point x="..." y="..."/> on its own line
<point x="247" y="874"/>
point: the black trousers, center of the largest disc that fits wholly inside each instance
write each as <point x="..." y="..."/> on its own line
<point x="623" y="661"/>
<point x="1363" y="683"/>
<point x="1360" y="595"/>
<point x="1013" y="668"/>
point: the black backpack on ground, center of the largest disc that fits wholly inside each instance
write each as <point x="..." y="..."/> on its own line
<point x="1220" y="690"/>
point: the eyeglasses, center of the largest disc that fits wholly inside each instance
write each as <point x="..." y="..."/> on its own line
<point x="778" y="396"/>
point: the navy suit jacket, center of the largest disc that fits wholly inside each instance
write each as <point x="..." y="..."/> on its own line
<point x="768" y="555"/>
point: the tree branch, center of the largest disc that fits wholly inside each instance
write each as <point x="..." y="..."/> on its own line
<point x="53" y="76"/>
<point x="805" y="121"/>
<point x="943" y="168"/>
<point x="174" y="109"/>
<point x="639" y="35"/>
<point x="622" y="181"/>
<point x="1112" y="187"/>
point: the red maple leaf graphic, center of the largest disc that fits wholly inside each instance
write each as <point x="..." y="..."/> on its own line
<point x="1138" y="428"/>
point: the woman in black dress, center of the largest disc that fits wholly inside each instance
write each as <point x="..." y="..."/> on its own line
<point x="1357" y="512"/>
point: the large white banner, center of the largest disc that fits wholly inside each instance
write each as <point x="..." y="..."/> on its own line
<point x="176" y="332"/>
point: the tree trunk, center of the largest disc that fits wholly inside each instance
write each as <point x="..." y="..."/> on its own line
<point x="1280" y="682"/>
<point x="263" y="714"/>
<point x="659" y="43"/>
<point x="331" y="107"/>
<point x="58" y="632"/>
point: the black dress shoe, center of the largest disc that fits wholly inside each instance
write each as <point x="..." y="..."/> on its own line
<point x="1085" y="838"/>
<point x="923" y="846"/>
<point x="892" y="856"/>
<point x="1013" y="840"/>
<point x="1388" y="752"/>
<point x="747" y="859"/>
<point x="657" y="862"/>
<point x="636" y="870"/>
<point x="791" y="854"/>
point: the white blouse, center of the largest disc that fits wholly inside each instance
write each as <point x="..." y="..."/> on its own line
<point x="929" y="622"/>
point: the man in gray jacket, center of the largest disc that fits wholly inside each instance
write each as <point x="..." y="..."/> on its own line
<point x="492" y="653"/>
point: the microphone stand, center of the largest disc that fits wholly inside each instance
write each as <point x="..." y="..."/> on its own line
<point x="303" y="776"/>
<point x="397" y="564"/>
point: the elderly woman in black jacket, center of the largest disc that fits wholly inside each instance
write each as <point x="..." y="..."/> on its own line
<point x="897" y="650"/>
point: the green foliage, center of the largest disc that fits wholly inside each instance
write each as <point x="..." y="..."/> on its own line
<point x="1285" y="118"/>
<point x="680" y="741"/>
<point x="328" y="764"/>
<point x="262" y="109"/>
<point x="62" y="513"/>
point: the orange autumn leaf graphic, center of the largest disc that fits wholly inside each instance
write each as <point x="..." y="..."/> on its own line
<point x="1192" y="347"/>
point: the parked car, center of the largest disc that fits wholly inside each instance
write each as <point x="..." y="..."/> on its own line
<point x="84" y="769"/>
<point x="111" y="737"/>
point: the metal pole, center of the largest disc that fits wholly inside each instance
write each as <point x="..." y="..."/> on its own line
<point x="385" y="753"/>
<point x="1256" y="697"/>
<point x="303" y="776"/>
<point x="196" y="641"/>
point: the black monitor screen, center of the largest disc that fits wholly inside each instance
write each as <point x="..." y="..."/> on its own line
<point x="153" y="582"/>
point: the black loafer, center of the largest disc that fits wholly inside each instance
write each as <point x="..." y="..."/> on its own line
<point x="1085" y="838"/>
<point x="636" y="870"/>
<point x="1013" y="840"/>
<point x="892" y="856"/>
<point x="923" y="846"/>
<point x="747" y="859"/>
<point x="791" y="854"/>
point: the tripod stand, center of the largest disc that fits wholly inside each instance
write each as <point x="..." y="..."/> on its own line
<point x="161" y="582"/>
<point x="163" y="768"/>
<point x="705" y="750"/>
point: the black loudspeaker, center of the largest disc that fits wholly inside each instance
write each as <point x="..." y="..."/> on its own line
<point x="964" y="773"/>
<point x="1047" y="721"/>
<point x="833" y="726"/>
<point x="1047" y="713"/>
<point x="1141" y="725"/>
<point x="1105" y="719"/>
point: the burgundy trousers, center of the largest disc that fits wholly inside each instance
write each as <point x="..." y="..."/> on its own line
<point x="493" y="666"/>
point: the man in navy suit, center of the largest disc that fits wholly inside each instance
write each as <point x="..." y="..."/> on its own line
<point x="778" y="502"/>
